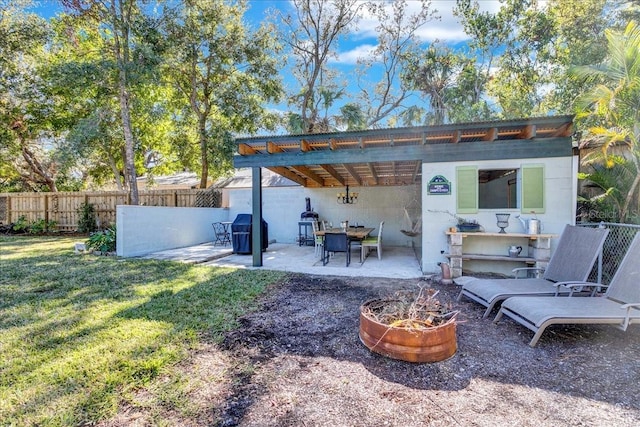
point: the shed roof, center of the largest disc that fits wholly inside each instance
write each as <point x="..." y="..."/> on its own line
<point x="394" y="156"/>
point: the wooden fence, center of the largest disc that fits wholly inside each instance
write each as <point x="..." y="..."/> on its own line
<point x="63" y="207"/>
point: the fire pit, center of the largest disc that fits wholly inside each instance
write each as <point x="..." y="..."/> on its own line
<point x="416" y="329"/>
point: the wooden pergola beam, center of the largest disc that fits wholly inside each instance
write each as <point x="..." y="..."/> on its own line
<point x="372" y="172"/>
<point x="491" y="135"/>
<point x="304" y="170"/>
<point x="528" y="132"/>
<point x="353" y="174"/>
<point x="334" y="173"/>
<point x="289" y="175"/>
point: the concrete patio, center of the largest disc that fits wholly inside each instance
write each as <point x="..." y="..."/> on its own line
<point x="397" y="262"/>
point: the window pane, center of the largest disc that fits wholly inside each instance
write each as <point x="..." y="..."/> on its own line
<point x="498" y="189"/>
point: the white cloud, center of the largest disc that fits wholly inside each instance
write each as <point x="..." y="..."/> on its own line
<point x="447" y="28"/>
<point x="352" y="56"/>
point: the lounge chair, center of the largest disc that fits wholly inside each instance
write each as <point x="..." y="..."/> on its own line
<point x="572" y="261"/>
<point x="620" y="305"/>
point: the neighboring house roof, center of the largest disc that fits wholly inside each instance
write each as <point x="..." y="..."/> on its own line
<point x="178" y="180"/>
<point x="242" y="179"/>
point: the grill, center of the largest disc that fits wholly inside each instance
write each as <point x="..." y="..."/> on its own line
<point x="241" y="234"/>
<point x="309" y="214"/>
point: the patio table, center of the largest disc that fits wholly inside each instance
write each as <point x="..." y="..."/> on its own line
<point x="355" y="233"/>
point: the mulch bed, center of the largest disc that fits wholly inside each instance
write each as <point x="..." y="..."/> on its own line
<point x="298" y="361"/>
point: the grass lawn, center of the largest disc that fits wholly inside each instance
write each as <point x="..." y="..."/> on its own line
<point x="82" y="335"/>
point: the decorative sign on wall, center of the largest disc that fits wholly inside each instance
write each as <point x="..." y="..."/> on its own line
<point x="439" y="185"/>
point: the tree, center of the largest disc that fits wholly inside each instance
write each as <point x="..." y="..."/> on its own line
<point x="312" y="34"/>
<point x="224" y="72"/>
<point x="24" y="121"/>
<point x="615" y="101"/>
<point x="434" y="73"/>
<point x="397" y="45"/>
<point x="128" y="35"/>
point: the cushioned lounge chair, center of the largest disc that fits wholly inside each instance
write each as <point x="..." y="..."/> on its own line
<point x="620" y="305"/>
<point x="572" y="261"/>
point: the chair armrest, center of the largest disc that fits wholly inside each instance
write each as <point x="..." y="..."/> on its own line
<point x="630" y="305"/>
<point x="576" y="285"/>
<point x="515" y="271"/>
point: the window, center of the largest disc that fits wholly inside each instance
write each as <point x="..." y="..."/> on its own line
<point x="507" y="188"/>
<point x="498" y="189"/>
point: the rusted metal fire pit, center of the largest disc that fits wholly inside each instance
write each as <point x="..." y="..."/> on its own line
<point x="431" y="344"/>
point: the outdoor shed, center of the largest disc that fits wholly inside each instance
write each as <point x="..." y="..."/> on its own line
<point x="420" y="180"/>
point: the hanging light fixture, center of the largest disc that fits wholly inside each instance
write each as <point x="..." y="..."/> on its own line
<point x="347" y="198"/>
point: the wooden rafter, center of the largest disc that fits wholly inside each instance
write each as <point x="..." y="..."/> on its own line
<point x="528" y="132"/>
<point x="372" y="172"/>
<point x="289" y="175"/>
<point x="334" y="173"/>
<point x="491" y="135"/>
<point x="353" y="174"/>
<point x="417" y="168"/>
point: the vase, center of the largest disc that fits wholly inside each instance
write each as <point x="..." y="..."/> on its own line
<point x="412" y="345"/>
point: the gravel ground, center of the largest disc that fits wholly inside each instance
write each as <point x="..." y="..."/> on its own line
<point x="297" y="361"/>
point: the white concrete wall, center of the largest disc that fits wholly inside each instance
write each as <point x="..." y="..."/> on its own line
<point x="145" y="229"/>
<point x="282" y="206"/>
<point x="560" y="202"/>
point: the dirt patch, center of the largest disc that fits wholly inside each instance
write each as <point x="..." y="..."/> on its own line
<point x="298" y="361"/>
<point x="310" y="368"/>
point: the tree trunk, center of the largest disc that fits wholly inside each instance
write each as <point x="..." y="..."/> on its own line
<point x="202" y="135"/>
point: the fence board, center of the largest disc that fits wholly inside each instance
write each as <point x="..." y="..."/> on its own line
<point x="62" y="207"/>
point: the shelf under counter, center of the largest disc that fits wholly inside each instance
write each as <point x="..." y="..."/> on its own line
<point x="506" y="235"/>
<point x="481" y="257"/>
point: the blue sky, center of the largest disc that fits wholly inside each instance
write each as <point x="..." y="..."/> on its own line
<point x="356" y="44"/>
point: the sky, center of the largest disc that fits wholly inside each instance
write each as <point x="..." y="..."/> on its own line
<point x="361" y="40"/>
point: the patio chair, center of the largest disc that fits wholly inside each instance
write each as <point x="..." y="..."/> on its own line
<point x="620" y="305"/>
<point x="222" y="234"/>
<point x="336" y="242"/>
<point x="318" y="240"/>
<point x="371" y="243"/>
<point x="572" y="261"/>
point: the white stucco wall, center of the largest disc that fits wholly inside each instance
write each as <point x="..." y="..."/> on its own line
<point x="282" y="206"/>
<point x="145" y="229"/>
<point x="560" y="203"/>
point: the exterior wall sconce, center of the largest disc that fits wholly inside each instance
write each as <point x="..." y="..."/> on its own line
<point x="347" y="198"/>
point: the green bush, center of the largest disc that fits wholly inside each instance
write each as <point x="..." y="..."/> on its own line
<point x="40" y="226"/>
<point x="87" y="218"/>
<point x="21" y="225"/>
<point x="103" y="241"/>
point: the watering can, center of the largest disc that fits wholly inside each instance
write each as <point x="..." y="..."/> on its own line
<point x="531" y="225"/>
<point x="514" y="251"/>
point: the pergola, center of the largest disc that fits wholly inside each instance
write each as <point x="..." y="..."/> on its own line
<point x="389" y="157"/>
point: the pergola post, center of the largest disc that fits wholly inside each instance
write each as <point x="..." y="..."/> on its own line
<point x="256" y="218"/>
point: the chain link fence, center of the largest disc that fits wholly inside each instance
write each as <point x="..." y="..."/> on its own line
<point x="615" y="247"/>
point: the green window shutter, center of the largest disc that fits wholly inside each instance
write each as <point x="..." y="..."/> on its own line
<point x="532" y="189"/>
<point x="467" y="189"/>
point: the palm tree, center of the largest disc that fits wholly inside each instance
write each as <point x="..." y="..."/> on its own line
<point x="614" y="102"/>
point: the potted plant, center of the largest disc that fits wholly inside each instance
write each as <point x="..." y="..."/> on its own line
<point x="415" y="327"/>
<point x="463" y="224"/>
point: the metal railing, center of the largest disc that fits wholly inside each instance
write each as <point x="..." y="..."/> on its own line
<point x="615" y="247"/>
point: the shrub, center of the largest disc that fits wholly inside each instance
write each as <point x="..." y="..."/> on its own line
<point x="87" y="218"/>
<point x="21" y="225"/>
<point x="40" y="226"/>
<point x="103" y="241"/>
